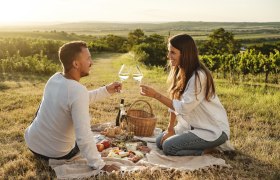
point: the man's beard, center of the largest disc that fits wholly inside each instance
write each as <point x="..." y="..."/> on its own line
<point x="83" y="74"/>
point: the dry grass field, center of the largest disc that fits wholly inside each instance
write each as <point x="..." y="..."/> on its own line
<point x="253" y="111"/>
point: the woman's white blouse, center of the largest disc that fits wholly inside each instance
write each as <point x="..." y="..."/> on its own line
<point x="208" y="119"/>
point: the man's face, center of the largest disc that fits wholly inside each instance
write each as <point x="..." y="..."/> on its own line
<point x="84" y="62"/>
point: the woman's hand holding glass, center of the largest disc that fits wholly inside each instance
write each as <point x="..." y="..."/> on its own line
<point x="148" y="91"/>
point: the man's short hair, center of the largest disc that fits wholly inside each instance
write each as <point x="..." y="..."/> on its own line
<point x="68" y="53"/>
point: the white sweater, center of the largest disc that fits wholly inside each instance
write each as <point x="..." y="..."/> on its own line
<point x="208" y="119"/>
<point x="63" y="118"/>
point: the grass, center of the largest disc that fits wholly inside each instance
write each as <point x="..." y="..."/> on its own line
<point x="253" y="111"/>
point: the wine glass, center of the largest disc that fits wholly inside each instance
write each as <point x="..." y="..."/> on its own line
<point x="137" y="74"/>
<point x="123" y="73"/>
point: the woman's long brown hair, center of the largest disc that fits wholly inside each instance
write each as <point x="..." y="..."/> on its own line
<point x="189" y="64"/>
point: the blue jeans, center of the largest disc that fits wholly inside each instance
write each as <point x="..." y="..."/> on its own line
<point x="187" y="144"/>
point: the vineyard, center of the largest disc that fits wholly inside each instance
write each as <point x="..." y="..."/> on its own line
<point x="39" y="56"/>
<point x="237" y="67"/>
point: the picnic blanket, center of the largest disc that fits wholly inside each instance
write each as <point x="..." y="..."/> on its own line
<point x="77" y="166"/>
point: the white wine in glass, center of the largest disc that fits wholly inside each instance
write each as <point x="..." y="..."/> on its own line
<point x="123" y="76"/>
<point x="138" y="77"/>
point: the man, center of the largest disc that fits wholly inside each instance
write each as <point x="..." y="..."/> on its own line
<point x="61" y="127"/>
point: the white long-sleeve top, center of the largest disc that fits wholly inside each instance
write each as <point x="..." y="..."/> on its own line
<point x="209" y="119"/>
<point x="63" y="118"/>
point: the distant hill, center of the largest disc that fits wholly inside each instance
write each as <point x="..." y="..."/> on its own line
<point x="169" y="26"/>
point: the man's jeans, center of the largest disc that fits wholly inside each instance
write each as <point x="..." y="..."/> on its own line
<point x="187" y="144"/>
<point x="71" y="154"/>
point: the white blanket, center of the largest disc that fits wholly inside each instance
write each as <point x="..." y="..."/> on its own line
<point x="77" y="166"/>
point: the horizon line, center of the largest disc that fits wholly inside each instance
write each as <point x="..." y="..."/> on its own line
<point x="32" y="23"/>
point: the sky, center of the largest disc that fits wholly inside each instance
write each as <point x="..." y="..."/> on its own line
<point x="30" y="11"/>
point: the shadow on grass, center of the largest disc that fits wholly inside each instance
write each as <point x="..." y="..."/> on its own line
<point x="246" y="166"/>
<point x="43" y="170"/>
<point x="3" y="86"/>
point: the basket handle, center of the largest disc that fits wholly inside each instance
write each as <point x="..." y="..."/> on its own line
<point x="140" y="100"/>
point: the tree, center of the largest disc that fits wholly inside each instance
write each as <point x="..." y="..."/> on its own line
<point x="115" y="43"/>
<point x="220" y="42"/>
<point x="135" y="37"/>
<point x="110" y="42"/>
<point x="152" y="51"/>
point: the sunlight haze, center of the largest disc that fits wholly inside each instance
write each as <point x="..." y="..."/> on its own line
<point x="28" y="11"/>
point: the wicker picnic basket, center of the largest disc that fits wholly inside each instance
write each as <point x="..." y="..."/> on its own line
<point x="143" y="122"/>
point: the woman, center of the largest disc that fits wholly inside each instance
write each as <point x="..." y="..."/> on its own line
<point x="202" y="120"/>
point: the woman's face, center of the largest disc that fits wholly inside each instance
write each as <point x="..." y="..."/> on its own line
<point x="173" y="55"/>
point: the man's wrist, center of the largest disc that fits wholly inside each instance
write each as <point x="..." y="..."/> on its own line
<point x="108" y="89"/>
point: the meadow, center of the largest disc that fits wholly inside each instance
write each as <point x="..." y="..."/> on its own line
<point x="253" y="112"/>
